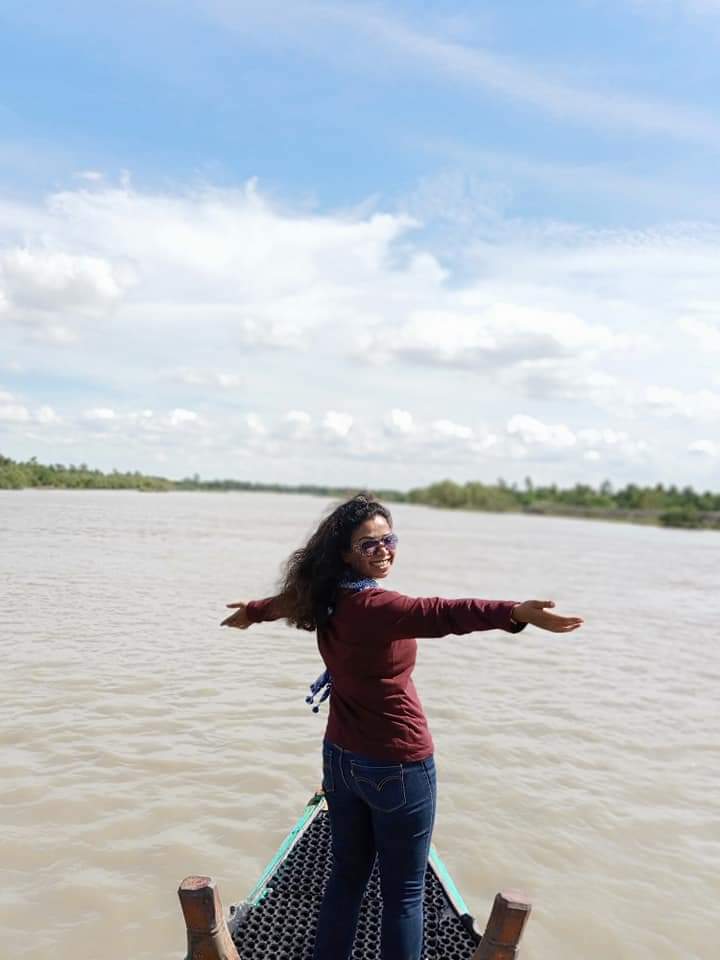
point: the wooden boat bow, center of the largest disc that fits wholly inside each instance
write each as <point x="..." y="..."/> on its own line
<point x="289" y="891"/>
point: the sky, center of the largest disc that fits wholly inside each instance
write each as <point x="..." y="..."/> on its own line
<point x="362" y="243"/>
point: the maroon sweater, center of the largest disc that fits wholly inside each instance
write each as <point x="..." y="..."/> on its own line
<point x="369" y="647"/>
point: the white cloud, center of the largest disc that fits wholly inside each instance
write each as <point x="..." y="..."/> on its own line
<point x="533" y="432"/>
<point x="705" y="448"/>
<point x="404" y="437"/>
<point x="399" y="422"/>
<point x="181" y="418"/>
<point x="225" y="288"/>
<point x="145" y="422"/>
<point x="706" y="332"/>
<point x="255" y="425"/>
<point x="615" y="446"/>
<point x="337" y="424"/>
<point x="448" y="430"/>
<point x="224" y="268"/>
<point x="99" y="414"/>
<point x="47" y="415"/>
<point x="563" y="379"/>
<point x="432" y="447"/>
<point x="54" y="334"/>
<point x="14" y="412"/>
<point x="602" y="437"/>
<point x="472" y="334"/>
<point x="212" y="260"/>
<point x="36" y="283"/>
<point x="395" y="435"/>
<point x="296" y="424"/>
<point x="672" y="402"/>
<point x="206" y="378"/>
<point x="484" y="443"/>
<point x="532" y="439"/>
<point x="228" y="380"/>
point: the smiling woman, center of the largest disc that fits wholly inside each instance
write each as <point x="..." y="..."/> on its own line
<point x="378" y="767"/>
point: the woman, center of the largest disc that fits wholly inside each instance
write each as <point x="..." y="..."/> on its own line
<point x="378" y="769"/>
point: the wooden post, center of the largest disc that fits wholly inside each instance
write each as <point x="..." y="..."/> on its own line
<point x="504" y="927"/>
<point x="208" y="937"/>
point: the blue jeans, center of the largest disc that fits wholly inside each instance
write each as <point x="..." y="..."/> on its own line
<point x="385" y="808"/>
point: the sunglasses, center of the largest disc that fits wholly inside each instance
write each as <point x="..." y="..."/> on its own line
<point x="372" y="545"/>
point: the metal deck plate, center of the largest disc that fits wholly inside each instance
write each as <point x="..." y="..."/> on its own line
<point x="282" y="924"/>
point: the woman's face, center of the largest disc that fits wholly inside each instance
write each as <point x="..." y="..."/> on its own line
<point x="378" y="562"/>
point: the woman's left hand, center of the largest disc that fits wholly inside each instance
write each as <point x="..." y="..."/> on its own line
<point x="238" y="619"/>
<point x="536" y="613"/>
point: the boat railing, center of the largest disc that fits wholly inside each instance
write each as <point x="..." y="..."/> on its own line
<point x="208" y="936"/>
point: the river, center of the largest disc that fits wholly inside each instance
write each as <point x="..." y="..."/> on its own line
<point x="140" y="743"/>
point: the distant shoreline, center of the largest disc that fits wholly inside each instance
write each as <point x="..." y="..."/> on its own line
<point x="655" y="506"/>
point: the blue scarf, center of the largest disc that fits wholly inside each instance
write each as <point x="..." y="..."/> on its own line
<point x="323" y="684"/>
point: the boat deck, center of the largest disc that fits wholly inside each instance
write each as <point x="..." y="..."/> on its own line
<point x="279" y="918"/>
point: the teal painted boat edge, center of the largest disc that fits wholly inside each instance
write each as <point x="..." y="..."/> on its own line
<point x="447" y="883"/>
<point x="314" y="805"/>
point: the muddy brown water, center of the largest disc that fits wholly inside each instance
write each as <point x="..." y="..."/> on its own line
<point x="140" y="743"/>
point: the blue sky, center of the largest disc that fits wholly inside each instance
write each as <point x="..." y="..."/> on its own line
<point x="363" y="242"/>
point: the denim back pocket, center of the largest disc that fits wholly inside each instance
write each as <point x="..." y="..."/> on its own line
<point x="382" y="788"/>
<point x="328" y="782"/>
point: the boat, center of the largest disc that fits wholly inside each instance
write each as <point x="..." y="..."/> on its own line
<point x="278" y="918"/>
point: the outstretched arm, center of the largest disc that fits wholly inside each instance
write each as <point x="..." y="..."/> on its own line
<point x="256" y="611"/>
<point x="397" y="616"/>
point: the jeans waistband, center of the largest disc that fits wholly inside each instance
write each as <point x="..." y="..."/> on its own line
<point x="373" y="761"/>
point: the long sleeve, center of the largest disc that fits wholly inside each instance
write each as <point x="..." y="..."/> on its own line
<point x="271" y="608"/>
<point x="396" y="616"/>
<point x="369" y="646"/>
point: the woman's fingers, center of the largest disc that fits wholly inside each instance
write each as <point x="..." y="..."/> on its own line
<point x="237" y="619"/>
<point x="558" y="624"/>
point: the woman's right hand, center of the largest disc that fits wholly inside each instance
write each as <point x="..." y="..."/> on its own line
<point x="238" y="619"/>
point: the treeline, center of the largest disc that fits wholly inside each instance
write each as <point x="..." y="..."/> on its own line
<point x="310" y="489"/>
<point x="668" y="506"/>
<point x="16" y="476"/>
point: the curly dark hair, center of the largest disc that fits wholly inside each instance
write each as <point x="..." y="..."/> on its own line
<point x="311" y="574"/>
